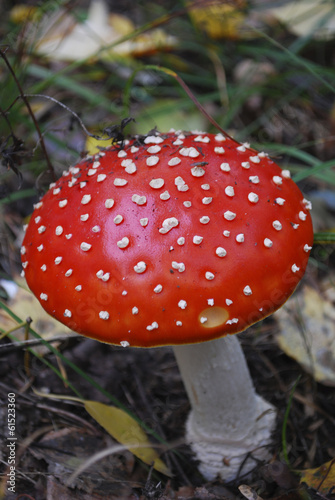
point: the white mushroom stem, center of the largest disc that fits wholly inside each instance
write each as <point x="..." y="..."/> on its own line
<point x="229" y="426"/>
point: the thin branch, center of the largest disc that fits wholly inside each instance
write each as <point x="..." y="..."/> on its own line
<point x="30" y="111"/>
<point x="5" y="117"/>
<point x="77" y="117"/>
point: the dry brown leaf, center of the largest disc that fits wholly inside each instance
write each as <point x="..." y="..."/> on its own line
<point x="307" y="333"/>
<point x="66" y="449"/>
<point x="24" y="304"/>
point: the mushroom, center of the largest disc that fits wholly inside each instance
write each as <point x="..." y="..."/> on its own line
<point x="177" y="239"/>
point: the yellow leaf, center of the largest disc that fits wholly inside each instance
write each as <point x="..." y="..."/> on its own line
<point x="122" y="25"/>
<point x="220" y="20"/>
<point x="321" y="479"/>
<point x="22" y="13"/>
<point x="126" y="431"/>
<point x="94" y="146"/>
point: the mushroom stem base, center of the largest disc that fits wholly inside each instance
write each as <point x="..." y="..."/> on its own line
<point x="221" y="456"/>
<point x="229" y="427"/>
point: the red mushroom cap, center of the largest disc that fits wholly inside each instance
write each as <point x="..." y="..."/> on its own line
<point x="168" y="239"/>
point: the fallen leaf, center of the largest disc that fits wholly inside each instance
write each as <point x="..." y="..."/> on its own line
<point x="249" y="493"/>
<point x="24" y="304"/>
<point x="22" y="13"/>
<point x="307" y="332"/>
<point x="63" y="38"/>
<point x="321" y="479"/>
<point x="308" y="18"/>
<point x="126" y="431"/>
<point x="221" y="19"/>
<point x="66" y="449"/>
<point x="94" y="146"/>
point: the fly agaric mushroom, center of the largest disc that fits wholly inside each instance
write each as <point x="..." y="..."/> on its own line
<point x="176" y="239"/>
